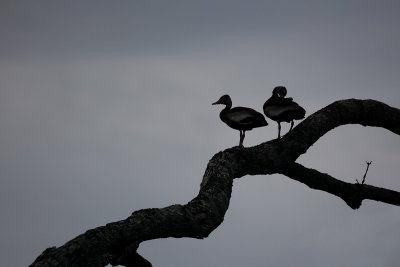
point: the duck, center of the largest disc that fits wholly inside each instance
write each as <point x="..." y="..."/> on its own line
<point x="281" y="109"/>
<point x="240" y="118"/>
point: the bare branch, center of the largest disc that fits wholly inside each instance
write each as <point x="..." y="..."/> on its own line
<point x="352" y="194"/>
<point x="365" y="174"/>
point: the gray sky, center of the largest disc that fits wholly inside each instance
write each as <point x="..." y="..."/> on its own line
<point x="105" y="108"/>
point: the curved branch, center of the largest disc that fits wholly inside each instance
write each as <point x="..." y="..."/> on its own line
<point x="352" y="194"/>
<point x="117" y="242"/>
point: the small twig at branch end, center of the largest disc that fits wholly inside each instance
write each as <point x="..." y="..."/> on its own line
<point x="365" y="174"/>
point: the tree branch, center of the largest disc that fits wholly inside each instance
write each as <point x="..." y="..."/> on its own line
<point x="117" y="242"/>
<point x="352" y="194"/>
<point x="365" y="174"/>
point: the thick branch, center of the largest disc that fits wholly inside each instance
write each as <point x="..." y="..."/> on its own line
<point x="117" y="242"/>
<point x="352" y="194"/>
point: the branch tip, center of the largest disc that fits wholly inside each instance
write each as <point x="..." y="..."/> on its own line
<point x="365" y="174"/>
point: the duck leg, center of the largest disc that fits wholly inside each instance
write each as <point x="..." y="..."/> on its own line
<point x="279" y="130"/>
<point x="291" y="125"/>
<point x="241" y="138"/>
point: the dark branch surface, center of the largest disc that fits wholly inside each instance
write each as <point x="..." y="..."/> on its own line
<point x="117" y="242"/>
<point x="352" y="194"/>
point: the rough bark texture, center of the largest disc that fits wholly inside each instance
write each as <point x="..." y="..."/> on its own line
<point x="117" y="242"/>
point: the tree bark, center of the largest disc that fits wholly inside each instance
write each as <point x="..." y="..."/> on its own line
<point x="117" y="242"/>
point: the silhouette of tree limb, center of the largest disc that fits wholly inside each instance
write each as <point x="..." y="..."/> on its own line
<point x="352" y="194"/>
<point x="117" y="242"/>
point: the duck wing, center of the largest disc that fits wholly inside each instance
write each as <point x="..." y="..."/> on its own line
<point x="283" y="109"/>
<point x="246" y="117"/>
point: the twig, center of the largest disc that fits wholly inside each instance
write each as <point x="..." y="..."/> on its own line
<point x="365" y="174"/>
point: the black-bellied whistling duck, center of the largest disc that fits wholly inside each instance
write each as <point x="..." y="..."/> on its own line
<point x="240" y="118"/>
<point x="279" y="108"/>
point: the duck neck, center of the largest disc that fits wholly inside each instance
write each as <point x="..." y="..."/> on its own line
<point x="226" y="109"/>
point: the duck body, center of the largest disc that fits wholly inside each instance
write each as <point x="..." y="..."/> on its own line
<point x="240" y="118"/>
<point x="281" y="109"/>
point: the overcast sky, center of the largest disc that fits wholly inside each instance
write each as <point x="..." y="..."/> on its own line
<point x="105" y="108"/>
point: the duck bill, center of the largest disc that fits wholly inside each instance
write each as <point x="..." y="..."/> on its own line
<point x="216" y="103"/>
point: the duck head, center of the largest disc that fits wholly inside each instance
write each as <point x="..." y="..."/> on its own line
<point x="279" y="91"/>
<point x="224" y="100"/>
